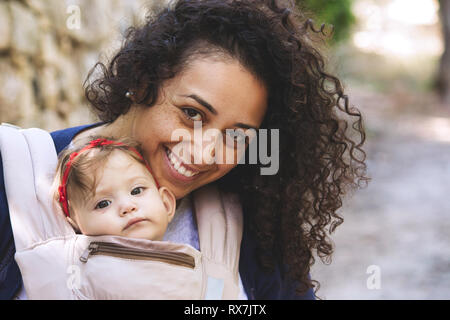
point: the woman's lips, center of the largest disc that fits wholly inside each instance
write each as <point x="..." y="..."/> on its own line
<point x="175" y="174"/>
<point x="133" y="222"/>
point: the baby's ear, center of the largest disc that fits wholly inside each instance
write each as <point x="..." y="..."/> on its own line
<point x="169" y="201"/>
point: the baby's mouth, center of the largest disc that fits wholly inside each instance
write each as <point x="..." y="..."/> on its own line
<point x="133" y="222"/>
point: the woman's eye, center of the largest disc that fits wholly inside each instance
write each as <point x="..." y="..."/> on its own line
<point x="236" y="137"/>
<point x="102" y="204"/>
<point x="136" y="191"/>
<point x="193" y="114"/>
<point x="239" y="138"/>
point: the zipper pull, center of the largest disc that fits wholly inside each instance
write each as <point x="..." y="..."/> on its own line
<point x="93" y="247"/>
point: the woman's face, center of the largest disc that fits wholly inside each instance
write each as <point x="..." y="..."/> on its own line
<point x="220" y="94"/>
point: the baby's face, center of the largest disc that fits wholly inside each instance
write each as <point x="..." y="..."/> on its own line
<point x="126" y="203"/>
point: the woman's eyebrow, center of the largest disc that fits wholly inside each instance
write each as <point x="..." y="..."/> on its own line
<point x="245" y="126"/>
<point x="214" y="111"/>
<point x="202" y="102"/>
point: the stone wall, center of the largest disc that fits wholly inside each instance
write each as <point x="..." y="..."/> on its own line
<point x="47" y="48"/>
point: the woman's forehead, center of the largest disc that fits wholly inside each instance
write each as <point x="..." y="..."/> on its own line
<point x="225" y="85"/>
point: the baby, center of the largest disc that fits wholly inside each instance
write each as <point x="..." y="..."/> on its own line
<point x="106" y="188"/>
<point x="107" y="193"/>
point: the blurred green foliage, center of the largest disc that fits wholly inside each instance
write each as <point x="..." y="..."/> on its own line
<point x="337" y="13"/>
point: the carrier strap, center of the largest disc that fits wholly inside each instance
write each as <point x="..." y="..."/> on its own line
<point x="29" y="163"/>
<point x="220" y="225"/>
<point x="29" y="160"/>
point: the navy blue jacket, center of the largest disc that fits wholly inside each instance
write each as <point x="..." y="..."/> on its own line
<point x="257" y="283"/>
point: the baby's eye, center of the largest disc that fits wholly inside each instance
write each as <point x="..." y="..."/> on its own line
<point x="193" y="114"/>
<point x="102" y="204"/>
<point x="137" y="191"/>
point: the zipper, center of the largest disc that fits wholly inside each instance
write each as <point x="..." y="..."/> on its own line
<point x="115" y="250"/>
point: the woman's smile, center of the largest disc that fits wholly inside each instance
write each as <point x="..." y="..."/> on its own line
<point x="197" y="95"/>
<point x="178" y="169"/>
<point x="213" y="92"/>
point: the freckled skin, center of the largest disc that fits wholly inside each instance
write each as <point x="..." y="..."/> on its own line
<point x="236" y="95"/>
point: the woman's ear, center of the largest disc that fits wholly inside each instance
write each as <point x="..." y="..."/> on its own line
<point x="169" y="201"/>
<point x="136" y="94"/>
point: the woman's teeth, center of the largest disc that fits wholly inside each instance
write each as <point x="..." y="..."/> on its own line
<point x="177" y="165"/>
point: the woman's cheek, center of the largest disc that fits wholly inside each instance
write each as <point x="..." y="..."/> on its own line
<point x="225" y="169"/>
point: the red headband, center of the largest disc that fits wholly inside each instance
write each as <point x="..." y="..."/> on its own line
<point x="92" y="144"/>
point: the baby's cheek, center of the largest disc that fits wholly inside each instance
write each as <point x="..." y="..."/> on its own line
<point x="102" y="225"/>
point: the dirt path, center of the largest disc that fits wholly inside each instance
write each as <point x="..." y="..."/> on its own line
<point x="401" y="222"/>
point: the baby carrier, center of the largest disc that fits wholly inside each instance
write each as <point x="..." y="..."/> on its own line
<point x="57" y="263"/>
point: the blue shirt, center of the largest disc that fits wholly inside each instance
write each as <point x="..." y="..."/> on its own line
<point x="257" y="283"/>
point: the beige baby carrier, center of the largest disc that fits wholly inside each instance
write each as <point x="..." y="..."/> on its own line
<point x="57" y="263"/>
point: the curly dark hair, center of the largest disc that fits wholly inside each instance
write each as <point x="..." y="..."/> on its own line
<point x="320" y="145"/>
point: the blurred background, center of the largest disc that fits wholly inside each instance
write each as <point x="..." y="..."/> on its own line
<point x="393" y="57"/>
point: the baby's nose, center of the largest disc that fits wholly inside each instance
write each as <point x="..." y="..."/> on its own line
<point x="127" y="208"/>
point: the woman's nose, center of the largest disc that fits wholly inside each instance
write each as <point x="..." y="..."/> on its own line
<point x="204" y="151"/>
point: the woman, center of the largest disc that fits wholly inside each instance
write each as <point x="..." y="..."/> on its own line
<point x="234" y="64"/>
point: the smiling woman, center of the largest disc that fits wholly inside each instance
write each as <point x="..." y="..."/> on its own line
<point x="183" y="101"/>
<point x="228" y="65"/>
<point x="240" y="64"/>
